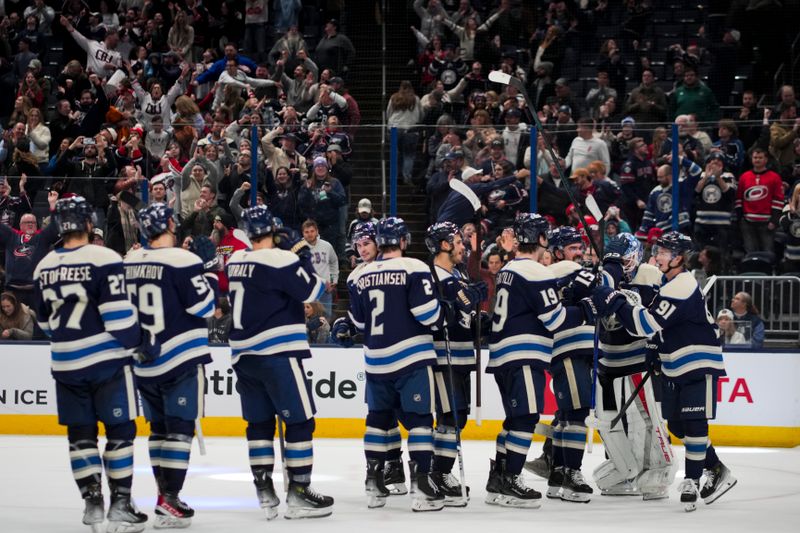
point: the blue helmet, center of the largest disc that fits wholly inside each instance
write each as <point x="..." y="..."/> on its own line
<point x="154" y="220"/>
<point x="72" y="215"/>
<point x="258" y="221"/>
<point x="563" y="236"/>
<point x="633" y="254"/>
<point x="390" y="231"/>
<point x="529" y="226"/>
<point x="441" y="231"/>
<point x="363" y="230"/>
<point x="675" y="242"/>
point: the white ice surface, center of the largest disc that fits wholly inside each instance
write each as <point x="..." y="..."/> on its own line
<point x="38" y="494"/>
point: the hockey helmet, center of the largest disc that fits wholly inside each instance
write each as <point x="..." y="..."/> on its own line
<point x="258" y="221"/>
<point x="441" y="231"/>
<point x="72" y="215"/>
<point x="154" y="220"/>
<point x="362" y="231"/>
<point x="633" y="251"/>
<point x="677" y="243"/>
<point x="529" y="226"/>
<point x="561" y="237"/>
<point x="390" y="231"/>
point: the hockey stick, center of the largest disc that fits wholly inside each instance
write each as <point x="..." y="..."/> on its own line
<point x="705" y="290"/>
<point x="497" y="76"/>
<point x="590" y="421"/>
<point x="463" y="189"/>
<point x="452" y="392"/>
<point x="282" y="444"/>
<point x="198" y="431"/>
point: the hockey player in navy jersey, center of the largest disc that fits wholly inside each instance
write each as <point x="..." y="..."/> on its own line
<point x="342" y="333"/>
<point x="396" y="308"/>
<point x="687" y="345"/>
<point x="571" y="369"/>
<point x="445" y="243"/>
<point x="82" y="305"/>
<point x="640" y="459"/>
<point x="268" y="286"/>
<point x="173" y="297"/>
<point x="527" y="313"/>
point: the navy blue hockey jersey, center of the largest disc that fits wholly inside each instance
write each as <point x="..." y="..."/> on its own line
<point x="395" y="306"/>
<point x="685" y="332"/>
<point x="82" y="305"/>
<point x="174" y="298"/>
<point x="571" y="340"/>
<point x="623" y="354"/>
<point x="462" y="352"/>
<point x="527" y="312"/>
<point x="267" y="289"/>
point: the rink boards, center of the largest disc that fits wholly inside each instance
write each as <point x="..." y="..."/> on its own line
<point x="758" y="401"/>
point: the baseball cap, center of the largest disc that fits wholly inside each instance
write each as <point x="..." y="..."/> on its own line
<point x="320" y="161"/>
<point x="336" y="80"/>
<point x="513" y="112"/>
<point x="334" y="148"/>
<point x="497" y="143"/>
<point x="469" y="172"/>
<point x="725" y="313"/>
<point x="562" y="81"/>
<point x="97" y="232"/>
<point x="715" y="156"/>
<point x="364" y="206"/>
<point x="628" y="120"/>
<point x="454" y="154"/>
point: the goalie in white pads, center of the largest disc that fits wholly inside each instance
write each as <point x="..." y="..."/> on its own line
<point x="640" y="458"/>
<point x="689" y="355"/>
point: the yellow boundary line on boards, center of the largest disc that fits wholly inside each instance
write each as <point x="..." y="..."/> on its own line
<point x="353" y="428"/>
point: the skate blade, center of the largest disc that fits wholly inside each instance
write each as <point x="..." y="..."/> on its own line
<point x="270" y="512"/>
<point x="575" y="497"/>
<point x="297" y="513"/>
<point x="171" y="522"/>
<point x="729" y="484"/>
<point x="456" y="501"/>
<point x="689" y="506"/>
<point x="375" y="502"/>
<point x="516" y="503"/>
<point x="96" y="527"/>
<point x="125" y="527"/>
<point x="422" y="505"/>
<point x="554" y="493"/>
<point x="651" y="496"/>
<point x="397" y="489"/>
<point x="492" y="498"/>
<point x="538" y="468"/>
<point x="632" y="492"/>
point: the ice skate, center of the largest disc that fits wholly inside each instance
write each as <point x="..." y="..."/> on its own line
<point x="574" y="487"/>
<point x="554" y="482"/>
<point x="123" y="515"/>
<point x="494" y="484"/>
<point x="93" y="512"/>
<point x="375" y="484"/>
<point x="689" y="490"/>
<point x="516" y="494"/>
<point x="451" y="489"/>
<point x="304" y="502"/>
<point x="719" y="480"/>
<point x="429" y="496"/>
<point x="394" y="478"/>
<point x="624" y="488"/>
<point x="660" y="493"/>
<point x="541" y="466"/>
<point x="172" y="513"/>
<point x="267" y="498"/>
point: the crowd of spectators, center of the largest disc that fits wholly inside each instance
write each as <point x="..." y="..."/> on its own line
<point x="135" y="101"/>
<point x="738" y="165"/>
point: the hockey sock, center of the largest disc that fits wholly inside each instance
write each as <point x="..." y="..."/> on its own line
<point x="158" y="434"/>
<point x="382" y="436"/>
<point x="376" y="444"/>
<point x="573" y="437"/>
<point x="444" y="448"/>
<point x="500" y="446"/>
<point x="118" y="456"/>
<point x="420" y="439"/>
<point x="395" y="444"/>
<point x="175" y="452"/>
<point x="696" y="442"/>
<point x="261" y="450"/>
<point x="84" y="456"/>
<point x="518" y="441"/>
<point x="300" y="451"/>
<point x="711" y="456"/>
<point x="558" y="444"/>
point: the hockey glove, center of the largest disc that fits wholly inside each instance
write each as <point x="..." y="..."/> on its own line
<point x="651" y="358"/>
<point x="206" y="250"/>
<point x="148" y="350"/>
<point x="342" y="332"/>
<point x="607" y="301"/>
<point x="589" y="311"/>
<point x="581" y="286"/>
<point x="614" y="251"/>
<point x="470" y="295"/>
<point x="288" y="239"/>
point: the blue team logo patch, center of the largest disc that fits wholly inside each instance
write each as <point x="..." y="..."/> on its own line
<point x="664" y="203"/>
<point x="117" y="412"/>
<point x="182" y="401"/>
<point x="417" y="398"/>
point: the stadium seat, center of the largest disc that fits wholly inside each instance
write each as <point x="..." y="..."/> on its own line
<point x="758" y="264"/>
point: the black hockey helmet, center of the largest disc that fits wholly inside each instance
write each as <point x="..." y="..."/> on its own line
<point x="438" y="232"/>
<point x="529" y="226"/>
<point x="562" y="236"/>
<point x="390" y="231"/>
<point x="72" y="215"/>
<point x="363" y="230"/>
<point x="676" y="242"/>
<point x="154" y="219"/>
<point x="258" y="221"/>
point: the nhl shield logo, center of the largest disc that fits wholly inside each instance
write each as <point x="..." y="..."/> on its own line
<point x="417" y="397"/>
<point x="182" y="401"/>
<point x="286" y="413"/>
<point x="117" y="412"/>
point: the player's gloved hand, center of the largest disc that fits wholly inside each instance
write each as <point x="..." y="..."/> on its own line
<point x="486" y="324"/>
<point x="206" y="250"/>
<point x="470" y="295"/>
<point x="288" y="239"/>
<point x="614" y="251"/>
<point x="651" y="359"/>
<point x="342" y="332"/>
<point x="590" y="313"/>
<point x="607" y="301"/>
<point x="581" y="286"/>
<point x="148" y="350"/>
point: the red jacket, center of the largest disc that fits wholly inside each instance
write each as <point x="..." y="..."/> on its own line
<point x="759" y="197"/>
<point x="227" y="245"/>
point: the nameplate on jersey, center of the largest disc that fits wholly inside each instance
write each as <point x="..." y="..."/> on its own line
<point x="381" y="279"/>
